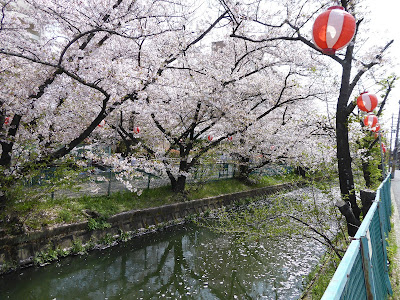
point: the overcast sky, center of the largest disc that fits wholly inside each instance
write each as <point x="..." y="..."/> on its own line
<point x="385" y="25"/>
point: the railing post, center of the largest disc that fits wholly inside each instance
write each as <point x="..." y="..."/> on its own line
<point x="367" y="267"/>
<point x="382" y="221"/>
<point x="109" y="182"/>
<point x="110" y="175"/>
<point x="388" y="201"/>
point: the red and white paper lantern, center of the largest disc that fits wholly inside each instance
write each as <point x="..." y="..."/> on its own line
<point x="7" y="120"/>
<point x="136" y="130"/>
<point x="102" y="123"/>
<point x="367" y="102"/>
<point x="210" y="138"/>
<point x="370" y="121"/>
<point x="376" y="128"/>
<point x="383" y="148"/>
<point x="230" y="138"/>
<point x="333" y="30"/>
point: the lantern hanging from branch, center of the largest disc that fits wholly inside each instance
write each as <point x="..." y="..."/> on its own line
<point x="370" y="121"/>
<point x="230" y="138"/>
<point x="102" y="123"/>
<point x="7" y="120"/>
<point x="210" y="138"/>
<point x="376" y="128"/>
<point x="136" y="130"/>
<point x="383" y="148"/>
<point x="367" y="102"/>
<point x="333" y="30"/>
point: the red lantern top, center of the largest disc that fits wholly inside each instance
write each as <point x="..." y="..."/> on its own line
<point x="333" y="30"/>
<point x="367" y="102"/>
<point x="136" y="130"/>
<point x="370" y="121"/>
<point x="210" y="137"/>
<point x="230" y="138"/>
<point x="7" y="120"/>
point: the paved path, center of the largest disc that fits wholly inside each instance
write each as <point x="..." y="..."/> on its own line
<point x="396" y="193"/>
<point x="396" y="228"/>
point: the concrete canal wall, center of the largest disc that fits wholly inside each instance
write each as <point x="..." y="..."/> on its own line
<point x="20" y="250"/>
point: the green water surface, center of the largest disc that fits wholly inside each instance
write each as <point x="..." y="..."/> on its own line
<point x="184" y="263"/>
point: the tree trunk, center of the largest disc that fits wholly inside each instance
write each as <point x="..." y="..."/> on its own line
<point x="177" y="184"/>
<point x="352" y="223"/>
<point x="300" y="171"/>
<point x="243" y="170"/>
<point x="366" y="174"/>
<point x="180" y="185"/>
<point x="172" y="180"/>
<point x="3" y="201"/>
<point x="346" y="180"/>
<point x="367" y="198"/>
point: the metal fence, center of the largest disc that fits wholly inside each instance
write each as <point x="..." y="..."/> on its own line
<point x="363" y="271"/>
<point x="103" y="181"/>
<point x="203" y="173"/>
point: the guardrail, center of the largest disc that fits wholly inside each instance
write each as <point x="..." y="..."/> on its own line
<point x="363" y="271"/>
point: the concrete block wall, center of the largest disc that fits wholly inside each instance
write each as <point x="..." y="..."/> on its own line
<point x="20" y="250"/>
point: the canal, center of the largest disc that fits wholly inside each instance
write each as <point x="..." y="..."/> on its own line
<point x="184" y="262"/>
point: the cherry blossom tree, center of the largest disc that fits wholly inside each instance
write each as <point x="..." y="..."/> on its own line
<point x="68" y="65"/>
<point x="289" y="26"/>
<point x="209" y="99"/>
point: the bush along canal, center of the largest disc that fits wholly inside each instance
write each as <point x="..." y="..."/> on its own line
<point x="184" y="262"/>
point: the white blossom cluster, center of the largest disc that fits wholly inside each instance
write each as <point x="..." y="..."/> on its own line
<point x="167" y="79"/>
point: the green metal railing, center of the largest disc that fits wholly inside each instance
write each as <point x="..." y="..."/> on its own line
<point x="363" y="271"/>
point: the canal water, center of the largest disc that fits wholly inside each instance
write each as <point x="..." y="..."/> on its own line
<point x="184" y="263"/>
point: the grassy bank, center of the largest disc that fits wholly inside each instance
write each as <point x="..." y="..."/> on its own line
<point x="34" y="214"/>
<point x="318" y="280"/>
<point x="394" y="263"/>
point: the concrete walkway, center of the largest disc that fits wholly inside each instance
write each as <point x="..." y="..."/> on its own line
<point x="395" y="278"/>
<point x="396" y="195"/>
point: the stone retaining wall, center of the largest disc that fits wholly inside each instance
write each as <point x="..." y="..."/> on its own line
<point x="21" y="249"/>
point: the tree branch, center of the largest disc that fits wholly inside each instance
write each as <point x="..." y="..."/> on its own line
<point x="366" y="67"/>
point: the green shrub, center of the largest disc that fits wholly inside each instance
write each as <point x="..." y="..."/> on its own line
<point x="99" y="223"/>
<point x="65" y="216"/>
<point x="107" y="240"/>
<point x="77" y="247"/>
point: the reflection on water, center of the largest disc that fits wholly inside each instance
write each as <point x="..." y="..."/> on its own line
<point x="187" y="263"/>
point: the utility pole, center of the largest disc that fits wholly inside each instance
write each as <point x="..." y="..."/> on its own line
<point x="390" y="144"/>
<point x="382" y="157"/>
<point x="394" y="162"/>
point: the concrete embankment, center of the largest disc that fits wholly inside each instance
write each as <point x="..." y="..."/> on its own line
<point x="20" y="250"/>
